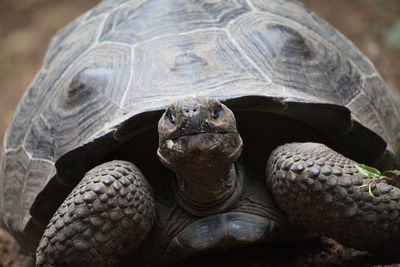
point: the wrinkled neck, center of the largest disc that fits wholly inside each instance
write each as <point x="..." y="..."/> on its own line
<point x="203" y="190"/>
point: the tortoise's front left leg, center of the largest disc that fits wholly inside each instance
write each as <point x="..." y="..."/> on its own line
<point x="110" y="211"/>
<point x="320" y="189"/>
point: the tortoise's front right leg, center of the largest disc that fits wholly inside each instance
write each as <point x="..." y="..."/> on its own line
<point x="320" y="189"/>
<point x="109" y="211"/>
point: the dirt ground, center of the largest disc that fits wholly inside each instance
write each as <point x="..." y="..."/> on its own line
<point x="27" y="25"/>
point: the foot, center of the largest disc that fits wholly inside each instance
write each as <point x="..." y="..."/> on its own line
<point x="320" y="189"/>
<point x="110" y="210"/>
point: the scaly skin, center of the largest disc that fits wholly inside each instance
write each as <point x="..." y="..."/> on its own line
<point x="112" y="208"/>
<point x="319" y="189"/>
<point x="109" y="211"/>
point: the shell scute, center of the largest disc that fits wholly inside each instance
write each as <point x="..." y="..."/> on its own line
<point x="132" y="24"/>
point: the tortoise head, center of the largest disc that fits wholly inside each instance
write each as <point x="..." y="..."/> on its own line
<point x="198" y="132"/>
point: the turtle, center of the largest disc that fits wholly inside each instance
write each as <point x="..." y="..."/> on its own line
<point x="159" y="130"/>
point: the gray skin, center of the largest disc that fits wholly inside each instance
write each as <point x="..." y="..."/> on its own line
<point x="219" y="203"/>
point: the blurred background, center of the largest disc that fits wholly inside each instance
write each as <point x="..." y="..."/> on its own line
<point x="27" y="25"/>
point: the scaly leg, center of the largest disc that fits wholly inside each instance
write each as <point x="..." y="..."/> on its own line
<point x="320" y="189"/>
<point x="110" y="211"/>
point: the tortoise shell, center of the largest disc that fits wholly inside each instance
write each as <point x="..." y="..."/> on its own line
<point x="108" y="75"/>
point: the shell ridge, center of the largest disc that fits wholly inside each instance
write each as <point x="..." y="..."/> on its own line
<point x="250" y="4"/>
<point x="252" y="63"/>
<point x="201" y="30"/>
<point x="122" y="101"/>
<point x="102" y="25"/>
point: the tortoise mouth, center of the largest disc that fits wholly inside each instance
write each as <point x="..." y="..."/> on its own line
<point x="177" y="135"/>
<point x="196" y="141"/>
<point x="200" y="147"/>
<point x="203" y="138"/>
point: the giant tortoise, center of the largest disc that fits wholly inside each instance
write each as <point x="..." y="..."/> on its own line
<point x="160" y="129"/>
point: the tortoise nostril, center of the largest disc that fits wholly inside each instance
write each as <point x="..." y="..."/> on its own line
<point x="190" y="110"/>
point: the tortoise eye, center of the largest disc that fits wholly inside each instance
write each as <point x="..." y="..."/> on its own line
<point x="216" y="112"/>
<point x="170" y="117"/>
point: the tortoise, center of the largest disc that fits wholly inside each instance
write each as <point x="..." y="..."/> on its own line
<point x="157" y="130"/>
